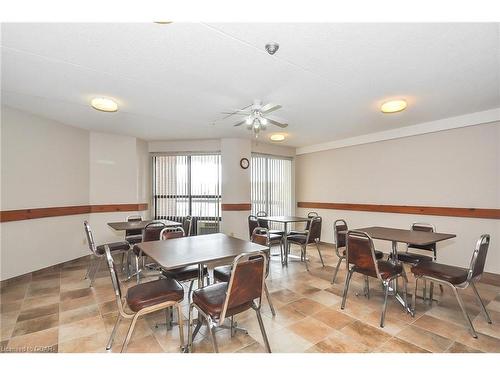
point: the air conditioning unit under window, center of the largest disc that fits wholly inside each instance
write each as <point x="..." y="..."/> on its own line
<point x="206" y="227"/>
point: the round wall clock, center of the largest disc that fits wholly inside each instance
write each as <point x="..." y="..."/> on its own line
<point x="244" y="163"/>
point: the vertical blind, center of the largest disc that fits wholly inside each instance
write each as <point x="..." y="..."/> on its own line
<point x="188" y="185"/>
<point x="271" y="188"/>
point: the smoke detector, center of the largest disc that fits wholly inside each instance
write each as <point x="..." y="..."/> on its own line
<point x="272" y="48"/>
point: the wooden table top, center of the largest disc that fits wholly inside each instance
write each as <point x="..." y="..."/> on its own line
<point x="186" y="251"/>
<point x="405" y="235"/>
<point x="285" y="219"/>
<point x="131" y="225"/>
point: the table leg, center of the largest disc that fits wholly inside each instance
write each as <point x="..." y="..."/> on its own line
<point x="393" y="285"/>
<point x="285" y="243"/>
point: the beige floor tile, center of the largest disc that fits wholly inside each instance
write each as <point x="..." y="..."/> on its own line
<point x="333" y="318"/>
<point x="81" y="328"/>
<point x="285" y="315"/>
<point x="456" y="347"/>
<point x="31" y="303"/>
<point x="76" y="303"/>
<point x="439" y="326"/>
<point x="395" y="345"/>
<point x="306" y="306"/>
<point x="484" y="343"/>
<point x="368" y="335"/>
<point x="425" y="339"/>
<point x="285" y="341"/>
<point x="145" y="344"/>
<point x="311" y="329"/>
<point x="45" y="338"/>
<point x="339" y="342"/>
<point x="34" y="325"/>
<point x="392" y="325"/>
<point x="253" y="348"/>
<point x="285" y="296"/>
<point x="481" y="325"/>
<point x="326" y="298"/>
<point x="38" y="312"/>
<point x="75" y="315"/>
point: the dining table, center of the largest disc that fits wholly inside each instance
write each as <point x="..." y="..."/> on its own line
<point x="406" y="236"/>
<point x="140" y="224"/>
<point x="197" y="250"/>
<point x="286" y="220"/>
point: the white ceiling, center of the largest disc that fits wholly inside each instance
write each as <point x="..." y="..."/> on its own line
<point x="172" y="81"/>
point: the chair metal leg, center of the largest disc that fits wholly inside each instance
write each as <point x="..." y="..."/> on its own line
<point x="431" y="293"/>
<point x="129" y="333"/>
<point x="367" y="287"/>
<point x="336" y="270"/>
<point x="211" y="328"/>
<point x="281" y="251"/>
<point x="346" y="287"/>
<point x="319" y="252"/>
<point x="94" y="271"/>
<point x="268" y="296"/>
<point x="180" y="320"/>
<point x="424" y="293"/>
<point x="113" y="333"/>
<point x="414" y="296"/>
<point x="137" y="270"/>
<point x="464" y="312"/>
<point x="384" y="306"/>
<point x="305" y="257"/>
<point x="190" y="290"/>
<point x="90" y="266"/>
<point x="405" y="291"/>
<point x="263" y="330"/>
<point x="485" y="312"/>
<point x="441" y="288"/>
<point x="190" y="329"/>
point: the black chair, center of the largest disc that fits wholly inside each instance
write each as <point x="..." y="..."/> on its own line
<point x="151" y="232"/>
<point x="457" y="277"/>
<point x="187" y="225"/>
<point x="311" y="236"/>
<point x="133" y="236"/>
<point x="309" y="216"/>
<point x="274" y="238"/>
<point x="265" y="224"/>
<point x="121" y="247"/>
<point x="360" y="257"/>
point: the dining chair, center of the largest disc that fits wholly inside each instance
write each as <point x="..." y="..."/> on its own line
<point x="143" y="299"/>
<point x="151" y="232"/>
<point x="223" y="300"/>
<point x="339" y="243"/>
<point x="98" y="251"/>
<point x="457" y="277"/>
<point x="311" y="236"/>
<point x="187" y="224"/>
<point x="274" y="238"/>
<point x="265" y="223"/>
<point x="182" y="274"/>
<point x="262" y="237"/>
<point x="308" y="223"/>
<point x="133" y="236"/>
<point x="360" y="257"/>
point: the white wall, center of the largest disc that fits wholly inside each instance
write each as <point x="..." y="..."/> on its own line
<point x="456" y="168"/>
<point x="35" y="175"/>
<point x="48" y="164"/>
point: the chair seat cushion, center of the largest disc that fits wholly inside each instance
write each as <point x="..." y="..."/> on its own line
<point x="386" y="269"/>
<point x="184" y="273"/>
<point x="413" y="257"/>
<point x="297" y="238"/>
<point x="451" y="274"/>
<point x="222" y="273"/>
<point x="378" y="254"/>
<point x="153" y="293"/>
<point x="114" y="246"/>
<point x="134" y="239"/>
<point x="210" y="300"/>
<point x="293" y="232"/>
<point x="276" y="232"/>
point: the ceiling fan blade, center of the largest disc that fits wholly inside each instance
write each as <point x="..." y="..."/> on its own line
<point x="274" y="122"/>
<point x="270" y="107"/>
<point x="237" y="112"/>
<point x="240" y="123"/>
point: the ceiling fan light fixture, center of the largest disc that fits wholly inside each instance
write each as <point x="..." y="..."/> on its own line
<point x="249" y="120"/>
<point x="277" y="137"/>
<point x="272" y="48"/>
<point x="263" y="121"/>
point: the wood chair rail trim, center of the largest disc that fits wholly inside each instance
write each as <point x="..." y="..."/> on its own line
<point x="479" y="213"/>
<point x="38" y="213"/>
<point x="236" y="207"/>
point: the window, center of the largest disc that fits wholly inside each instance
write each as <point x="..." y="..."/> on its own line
<point x="188" y="185"/>
<point x="271" y="184"/>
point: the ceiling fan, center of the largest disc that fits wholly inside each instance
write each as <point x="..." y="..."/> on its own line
<point x="256" y="118"/>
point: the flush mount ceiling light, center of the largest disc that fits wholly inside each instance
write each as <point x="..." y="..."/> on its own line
<point x="392" y="106"/>
<point x="104" y="104"/>
<point x="277" y="137"/>
<point x="272" y="48"/>
<point x="163" y="22"/>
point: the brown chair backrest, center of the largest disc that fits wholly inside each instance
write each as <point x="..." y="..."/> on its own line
<point x="253" y="223"/>
<point x="423" y="227"/>
<point x="315" y="229"/>
<point x="361" y="252"/>
<point x="247" y="281"/>
<point x="262" y="223"/>
<point x="310" y="215"/>
<point x="187" y="223"/>
<point x="152" y="231"/>
<point x="90" y="238"/>
<point x="478" y="260"/>
<point x="261" y="236"/>
<point x="169" y="233"/>
<point x="133" y="232"/>
<point x="339" y="225"/>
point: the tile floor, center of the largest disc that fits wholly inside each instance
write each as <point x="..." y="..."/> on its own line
<point x="54" y="310"/>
